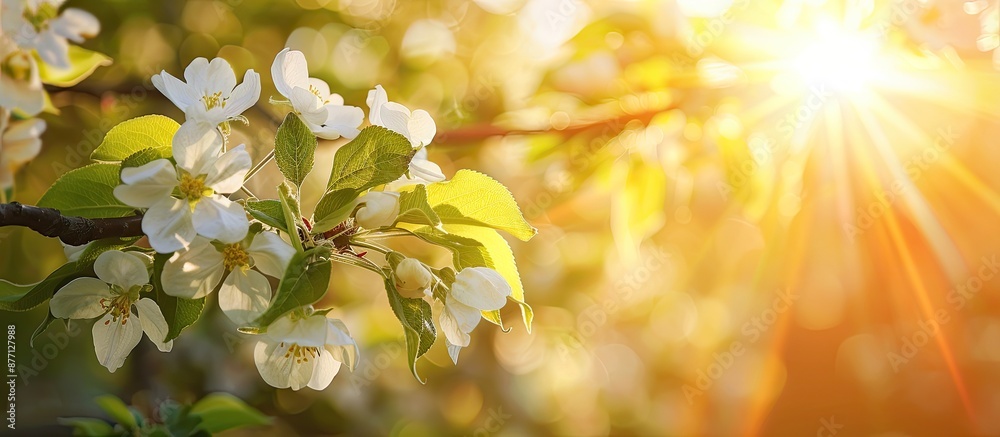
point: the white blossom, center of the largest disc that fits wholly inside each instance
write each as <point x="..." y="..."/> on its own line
<point x="188" y="200"/>
<point x="117" y="291"/>
<point x="476" y="289"/>
<point x="196" y="271"/>
<point x="308" y="351"/>
<point x="210" y="95"/>
<point x="37" y="25"/>
<point x="20" y="84"/>
<point x="416" y="126"/>
<point x="323" y="112"/>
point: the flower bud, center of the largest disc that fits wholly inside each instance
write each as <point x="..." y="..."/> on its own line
<point x="412" y="278"/>
<point x="380" y="209"/>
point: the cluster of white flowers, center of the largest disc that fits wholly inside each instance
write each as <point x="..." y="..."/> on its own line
<point x="33" y="31"/>
<point x="213" y="246"/>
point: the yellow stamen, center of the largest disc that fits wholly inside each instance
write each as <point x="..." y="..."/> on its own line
<point x="235" y="256"/>
<point x="214" y="100"/>
<point x="301" y="354"/>
<point x="193" y="188"/>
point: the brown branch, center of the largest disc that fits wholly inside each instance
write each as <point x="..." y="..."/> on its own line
<point x="469" y="134"/>
<point x="74" y="231"/>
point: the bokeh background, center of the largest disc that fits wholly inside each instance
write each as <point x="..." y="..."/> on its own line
<point x="756" y="217"/>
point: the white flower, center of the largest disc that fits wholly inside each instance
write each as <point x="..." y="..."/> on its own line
<point x="19" y="143"/>
<point x="194" y="272"/>
<point x="418" y="127"/>
<point x="38" y="25"/>
<point x="186" y="201"/>
<point x="121" y="279"/>
<point x="476" y="289"/>
<point x="412" y="278"/>
<point x="380" y="209"/>
<point x="20" y="83"/>
<point x="299" y="352"/>
<point x="323" y="112"/>
<point x="210" y="96"/>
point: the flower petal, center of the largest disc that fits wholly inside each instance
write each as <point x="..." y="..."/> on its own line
<point x="21" y="141"/>
<point x="457" y="320"/>
<point x="21" y="95"/>
<point x="221" y="78"/>
<point x="244" y="296"/>
<point x="168" y="225"/>
<point x="226" y="174"/>
<point x="425" y="170"/>
<point x="271" y="254"/>
<point x="396" y="118"/>
<point x="421" y="127"/>
<point x="453" y="351"/>
<point x="340" y="343"/>
<point x="325" y="367"/>
<point x="289" y="71"/>
<point x="194" y="272"/>
<point x="219" y="218"/>
<point x="181" y="94"/>
<point x="80" y="299"/>
<point x="121" y="269"/>
<point x="196" y="75"/>
<point x="153" y="323"/>
<point x="114" y="340"/>
<point x="278" y="367"/>
<point x="307" y="104"/>
<point x="147" y="184"/>
<point x="196" y="146"/>
<point x="376" y="98"/>
<point x="76" y="24"/>
<point x="480" y="287"/>
<point x="310" y="331"/>
<point x="53" y="49"/>
<point x="244" y="95"/>
<point x="341" y="121"/>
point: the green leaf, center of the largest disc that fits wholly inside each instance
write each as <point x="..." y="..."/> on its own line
<point x="472" y="198"/>
<point x="268" y="212"/>
<point x="147" y="155"/>
<point x="16" y="297"/>
<point x="376" y="156"/>
<point x="418" y="325"/>
<point x="131" y="136"/>
<point x="117" y="410"/>
<point x="87" y="426"/>
<point x="87" y="192"/>
<point x="96" y="248"/>
<point x="414" y="208"/>
<point x="177" y="419"/>
<point x="177" y="311"/>
<point x="82" y="63"/>
<point x="223" y="411"/>
<point x="305" y="282"/>
<point x="293" y="216"/>
<point x="294" y="149"/>
<point x="466" y="252"/>
<point x="335" y="207"/>
<point x="501" y="259"/>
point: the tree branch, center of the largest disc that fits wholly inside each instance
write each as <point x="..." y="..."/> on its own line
<point x="74" y="231"/>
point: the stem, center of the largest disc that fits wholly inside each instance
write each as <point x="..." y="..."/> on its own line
<point x="74" y="231"/>
<point x="369" y="245"/>
<point x="253" y="171"/>
<point x="357" y="262"/>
